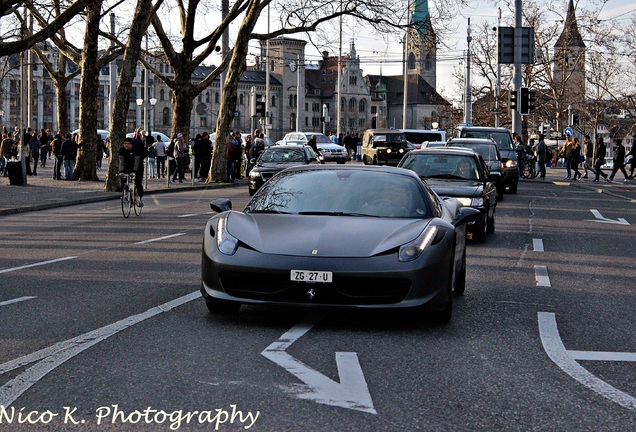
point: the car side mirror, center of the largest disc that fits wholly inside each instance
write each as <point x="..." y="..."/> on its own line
<point x="253" y="161"/>
<point x="466" y="215"/>
<point x="220" y="205"/>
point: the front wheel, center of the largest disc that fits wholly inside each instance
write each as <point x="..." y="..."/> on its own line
<point x="126" y="201"/>
<point x="479" y="233"/>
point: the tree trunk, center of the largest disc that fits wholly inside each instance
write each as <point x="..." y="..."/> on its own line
<point x="138" y="29"/>
<point x="218" y="169"/>
<point x="86" y="165"/>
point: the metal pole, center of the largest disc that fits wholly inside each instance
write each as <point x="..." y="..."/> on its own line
<point x="299" y="94"/>
<point x="268" y="103"/>
<point x="498" y="85"/>
<point x="339" y="84"/>
<point x="468" y="115"/>
<point x="516" y="117"/>
<point x="112" y="72"/>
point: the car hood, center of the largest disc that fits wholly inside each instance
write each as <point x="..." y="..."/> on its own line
<point x="494" y="165"/>
<point x="322" y="236"/>
<point x="455" y="188"/>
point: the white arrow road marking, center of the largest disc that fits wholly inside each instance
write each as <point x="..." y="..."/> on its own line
<point x="541" y="276"/>
<point x="37" y="264"/>
<point x="553" y="346"/>
<point x="601" y="219"/>
<point x="16" y="300"/>
<point x="602" y="356"/>
<point x="49" y="358"/>
<point x="352" y="391"/>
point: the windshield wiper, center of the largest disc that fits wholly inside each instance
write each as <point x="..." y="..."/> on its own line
<point x="444" y="176"/>
<point x="326" y="213"/>
<point x="269" y="211"/>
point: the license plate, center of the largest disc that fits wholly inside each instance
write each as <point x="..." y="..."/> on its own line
<point x="311" y="276"/>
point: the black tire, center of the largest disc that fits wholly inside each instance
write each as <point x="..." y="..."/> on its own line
<point x="342" y="162"/>
<point x="500" y="192"/>
<point x="365" y="160"/>
<point x="251" y="191"/>
<point x="513" y="187"/>
<point x="444" y="316"/>
<point x="134" y="201"/>
<point x="479" y="233"/>
<point x="460" y="279"/>
<point x="221" y="307"/>
<point x="125" y="202"/>
<point x="490" y="226"/>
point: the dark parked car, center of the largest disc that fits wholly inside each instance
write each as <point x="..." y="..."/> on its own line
<point x="503" y="138"/>
<point x="488" y="150"/>
<point x="277" y="158"/>
<point x="462" y="174"/>
<point x="328" y="235"/>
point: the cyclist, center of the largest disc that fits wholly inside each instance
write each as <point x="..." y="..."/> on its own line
<point x="129" y="163"/>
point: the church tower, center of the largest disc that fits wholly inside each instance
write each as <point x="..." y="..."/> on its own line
<point x="421" y="44"/>
<point x="569" y="64"/>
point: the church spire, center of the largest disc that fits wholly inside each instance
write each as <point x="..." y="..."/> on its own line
<point x="570" y="35"/>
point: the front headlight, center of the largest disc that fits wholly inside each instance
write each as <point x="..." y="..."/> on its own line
<point x="388" y="151"/>
<point x="510" y="163"/>
<point x="471" y="202"/>
<point x="254" y="174"/>
<point x="414" y="249"/>
<point x="225" y="241"/>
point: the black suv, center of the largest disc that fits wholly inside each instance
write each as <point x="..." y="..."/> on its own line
<point x="488" y="150"/>
<point x="503" y="138"/>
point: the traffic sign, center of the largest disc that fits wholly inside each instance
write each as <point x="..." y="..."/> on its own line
<point x="568" y="131"/>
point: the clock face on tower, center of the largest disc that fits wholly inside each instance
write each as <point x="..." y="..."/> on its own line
<point x="292" y="66"/>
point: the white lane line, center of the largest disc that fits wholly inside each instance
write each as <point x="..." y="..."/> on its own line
<point x="541" y="276"/>
<point x="537" y="245"/>
<point x="57" y="354"/>
<point x="161" y="238"/>
<point x="36" y="264"/>
<point x="602" y="356"/>
<point x="188" y="215"/>
<point x="16" y="300"/>
<point x="553" y="346"/>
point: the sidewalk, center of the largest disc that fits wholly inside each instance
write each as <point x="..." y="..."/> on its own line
<point x="42" y="192"/>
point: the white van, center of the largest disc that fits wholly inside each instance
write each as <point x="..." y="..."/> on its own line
<point x="418" y="136"/>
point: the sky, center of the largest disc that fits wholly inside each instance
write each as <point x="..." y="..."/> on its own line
<point x="376" y="54"/>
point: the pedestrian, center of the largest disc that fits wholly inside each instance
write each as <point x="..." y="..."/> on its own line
<point x="179" y="155"/>
<point x="357" y="142"/>
<point x="35" y="153"/>
<point x="206" y="156"/>
<point x="152" y="161"/>
<point x="575" y="158"/>
<point x="5" y="152"/>
<point x="160" y="149"/>
<point x="100" y="149"/>
<point x="566" y="153"/>
<point x="601" y="151"/>
<point x="588" y="150"/>
<point x="58" y="157"/>
<point x="69" y="153"/>
<point x="349" y="145"/>
<point x="197" y="152"/>
<point x="238" y="155"/>
<point x="619" y="160"/>
<point x="542" y="155"/>
<point x="44" y="147"/>
<point x="632" y="161"/>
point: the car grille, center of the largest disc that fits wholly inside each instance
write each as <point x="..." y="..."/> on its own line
<point x="342" y="291"/>
<point x="267" y="175"/>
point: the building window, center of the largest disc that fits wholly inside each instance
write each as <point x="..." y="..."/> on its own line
<point x="353" y="80"/>
<point x="306" y="106"/>
<point x="165" y="120"/>
<point x="241" y="99"/>
<point x="427" y="62"/>
<point x="272" y="65"/>
<point x="293" y="100"/>
<point x="411" y="61"/>
<point x="162" y="94"/>
<point x="273" y="101"/>
<point x="342" y="104"/>
<point x="352" y="105"/>
<point x="374" y="110"/>
<point x="216" y="98"/>
<point x="292" y="121"/>
<point x="362" y="107"/>
<point x="203" y="121"/>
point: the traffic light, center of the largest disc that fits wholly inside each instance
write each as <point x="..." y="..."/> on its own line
<point x="512" y="102"/>
<point x="532" y="100"/>
<point x="524" y="101"/>
<point x="260" y="106"/>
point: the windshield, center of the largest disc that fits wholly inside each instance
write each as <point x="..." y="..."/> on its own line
<point x="453" y="167"/>
<point x="487" y="151"/>
<point x="282" y="155"/>
<point x="502" y="138"/>
<point x="343" y="193"/>
<point x="420" y="137"/>
<point x="320" y="138"/>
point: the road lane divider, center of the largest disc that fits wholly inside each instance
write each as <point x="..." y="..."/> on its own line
<point x="50" y="358"/>
<point x="36" y="264"/>
<point x="537" y="245"/>
<point x="161" y="238"/>
<point x="541" y="276"/>
<point x="16" y="300"/>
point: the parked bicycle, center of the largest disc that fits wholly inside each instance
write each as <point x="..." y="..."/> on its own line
<point x="129" y="197"/>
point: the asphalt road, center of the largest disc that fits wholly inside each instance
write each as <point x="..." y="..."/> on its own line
<point x="103" y="329"/>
